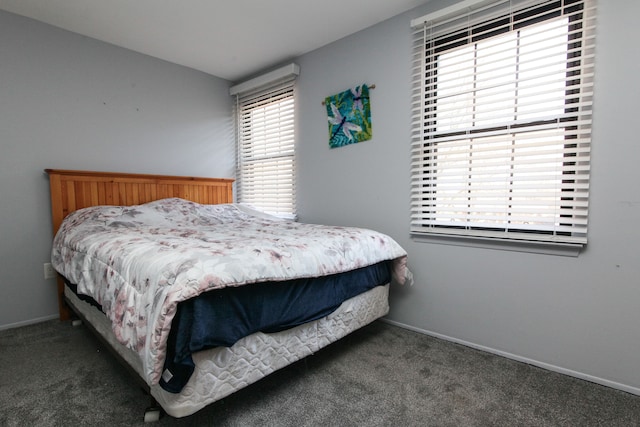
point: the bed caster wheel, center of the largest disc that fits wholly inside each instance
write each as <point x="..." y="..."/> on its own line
<point x="152" y="415"/>
<point x="76" y="322"/>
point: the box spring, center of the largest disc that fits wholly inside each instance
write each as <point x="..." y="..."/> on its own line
<point x="221" y="371"/>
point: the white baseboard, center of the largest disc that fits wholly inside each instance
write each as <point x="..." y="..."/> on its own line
<point x="547" y="366"/>
<point x="28" y="322"/>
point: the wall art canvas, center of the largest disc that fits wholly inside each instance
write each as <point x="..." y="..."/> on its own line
<point x="349" y="115"/>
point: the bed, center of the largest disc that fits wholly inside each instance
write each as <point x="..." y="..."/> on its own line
<point x="199" y="296"/>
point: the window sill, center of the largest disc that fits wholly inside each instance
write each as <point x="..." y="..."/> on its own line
<point x="546" y="248"/>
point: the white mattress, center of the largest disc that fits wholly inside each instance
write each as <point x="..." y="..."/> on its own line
<point x="222" y="370"/>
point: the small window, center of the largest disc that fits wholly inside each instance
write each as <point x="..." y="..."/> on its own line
<point x="502" y="101"/>
<point x="266" y="147"/>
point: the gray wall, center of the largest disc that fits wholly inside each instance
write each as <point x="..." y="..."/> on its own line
<point x="71" y="102"/>
<point x="575" y="315"/>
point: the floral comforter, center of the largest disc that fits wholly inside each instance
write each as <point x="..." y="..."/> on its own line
<point x="139" y="262"/>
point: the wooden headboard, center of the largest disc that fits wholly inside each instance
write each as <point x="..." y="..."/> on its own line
<point x="72" y="190"/>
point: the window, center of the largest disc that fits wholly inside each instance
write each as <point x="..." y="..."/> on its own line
<point x="266" y="142"/>
<point x="501" y="135"/>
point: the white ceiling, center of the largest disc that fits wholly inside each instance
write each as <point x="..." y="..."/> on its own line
<point x="232" y="39"/>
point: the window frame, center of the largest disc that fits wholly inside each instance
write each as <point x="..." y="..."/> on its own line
<point x="264" y="116"/>
<point x="424" y="149"/>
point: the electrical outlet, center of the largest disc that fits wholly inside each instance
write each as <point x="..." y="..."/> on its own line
<point x="49" y="271"/>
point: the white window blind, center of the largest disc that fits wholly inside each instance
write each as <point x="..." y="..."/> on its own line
<point x="501" y="122"/>
<point x="266" y="148"/>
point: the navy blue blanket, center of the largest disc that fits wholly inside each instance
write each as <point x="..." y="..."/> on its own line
<point x="222" y="317"/>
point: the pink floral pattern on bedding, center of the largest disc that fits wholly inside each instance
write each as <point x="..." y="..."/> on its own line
<point x="138" y="262"/>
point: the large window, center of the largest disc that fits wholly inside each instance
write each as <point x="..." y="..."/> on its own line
<point x="502" y="122"/>
<point x="266" y="147"/>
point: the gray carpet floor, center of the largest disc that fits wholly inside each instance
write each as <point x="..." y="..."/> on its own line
<point x="53" y="374"/>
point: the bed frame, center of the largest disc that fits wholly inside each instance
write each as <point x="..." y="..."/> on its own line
<point x="72" y="190"/>
<point x="220" y="371"/>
